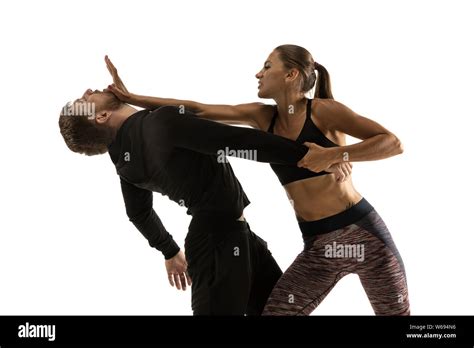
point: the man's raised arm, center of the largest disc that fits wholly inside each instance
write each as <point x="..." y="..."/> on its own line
<point x="175" y="129"/>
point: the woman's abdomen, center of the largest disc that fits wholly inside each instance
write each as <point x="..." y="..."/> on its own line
<point x="320" y="197"/>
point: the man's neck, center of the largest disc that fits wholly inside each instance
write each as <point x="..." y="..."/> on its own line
<point x="120" y="115"/>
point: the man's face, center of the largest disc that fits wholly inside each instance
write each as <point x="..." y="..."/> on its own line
<point x="92" y="104"/>
<point x="101" y="100"/>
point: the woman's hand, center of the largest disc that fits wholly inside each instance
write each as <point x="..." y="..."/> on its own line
<point x="119" y="93"/>
<point x="117" y="87"/>
<point x="318" y="158"/>
<point x="341" y="171"/>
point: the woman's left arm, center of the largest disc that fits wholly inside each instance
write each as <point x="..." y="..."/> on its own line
<point x="377" y="142"/>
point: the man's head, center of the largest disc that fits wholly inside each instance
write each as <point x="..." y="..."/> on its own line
<point x="85" y="124"/>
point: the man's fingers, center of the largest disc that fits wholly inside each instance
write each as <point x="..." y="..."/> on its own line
<point x="188" y="278"/>
<point x="170" y="279"/>
<point x="183" y="281"/>
<point x="177" y="281"/>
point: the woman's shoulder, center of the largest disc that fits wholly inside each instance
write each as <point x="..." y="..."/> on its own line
<point x="324" y="110"/>
<point x="262" y="114"/>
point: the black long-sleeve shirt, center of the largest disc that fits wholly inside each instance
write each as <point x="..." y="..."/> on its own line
<point x="180" y="155"/>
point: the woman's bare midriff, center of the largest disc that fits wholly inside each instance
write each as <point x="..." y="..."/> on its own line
<point x="322" y="196"/>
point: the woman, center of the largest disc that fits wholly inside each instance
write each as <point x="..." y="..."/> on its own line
<point x="342" y="232"/>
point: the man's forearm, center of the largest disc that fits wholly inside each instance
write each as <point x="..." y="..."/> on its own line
<point x="156" y="234"/>
<point x="139" y="208"/>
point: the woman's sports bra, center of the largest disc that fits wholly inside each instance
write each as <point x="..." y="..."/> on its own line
<point x="310" y="133"/>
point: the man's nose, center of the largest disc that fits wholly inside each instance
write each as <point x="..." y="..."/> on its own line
<point x="89" y="91"/>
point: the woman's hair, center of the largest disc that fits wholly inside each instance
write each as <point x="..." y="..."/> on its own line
<point x="297" y="57"/>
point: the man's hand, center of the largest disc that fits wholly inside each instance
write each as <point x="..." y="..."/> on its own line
<point x="318" y="158"/>
<point x="117" y="87"/>
<point x="341" y="171"/>
<point x="176" y="267"/>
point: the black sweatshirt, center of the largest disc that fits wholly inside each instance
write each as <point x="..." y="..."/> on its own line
<point x="180" y="155"/>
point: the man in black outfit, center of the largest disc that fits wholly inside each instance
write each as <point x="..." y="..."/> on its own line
<point x="173" y="152"/>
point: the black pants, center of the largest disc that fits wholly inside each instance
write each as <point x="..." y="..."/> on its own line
<point x="232" y="270"/>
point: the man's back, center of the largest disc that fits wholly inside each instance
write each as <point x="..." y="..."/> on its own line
<point x="145" y="158"/>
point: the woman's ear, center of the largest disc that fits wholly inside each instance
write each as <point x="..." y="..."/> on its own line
<point x="292" y="74"/>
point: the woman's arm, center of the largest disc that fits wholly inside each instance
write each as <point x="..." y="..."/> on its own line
<point x="378" y="142"/>
<point x="253" y="114"/>
<point x="241" y="114"/>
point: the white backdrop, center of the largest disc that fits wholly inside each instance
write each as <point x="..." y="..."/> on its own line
<point x="66" y="246"/>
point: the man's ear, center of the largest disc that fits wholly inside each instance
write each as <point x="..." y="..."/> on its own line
<point x="103" y="116"/>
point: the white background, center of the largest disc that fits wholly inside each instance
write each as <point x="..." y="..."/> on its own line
<point x="66" y="246"/>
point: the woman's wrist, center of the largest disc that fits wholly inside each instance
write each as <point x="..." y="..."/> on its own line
<point x="133" y="98"/>
<point x="338" y="155"/>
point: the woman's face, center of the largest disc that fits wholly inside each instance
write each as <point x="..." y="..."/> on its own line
<point x="271" y="79"/>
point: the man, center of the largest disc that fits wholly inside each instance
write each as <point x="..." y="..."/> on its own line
<point x="171" y="151"/>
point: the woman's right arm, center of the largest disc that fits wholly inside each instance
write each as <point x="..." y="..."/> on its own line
<point x="256" y="115"/>
<point x="251" y="114"/>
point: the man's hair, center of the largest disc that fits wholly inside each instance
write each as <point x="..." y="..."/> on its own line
<point x="85" y="136"/>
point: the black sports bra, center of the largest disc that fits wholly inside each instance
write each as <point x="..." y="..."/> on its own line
<point x="309" y="133"/>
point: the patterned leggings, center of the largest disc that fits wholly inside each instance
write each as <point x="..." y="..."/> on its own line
<point x="365" y="248"/>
